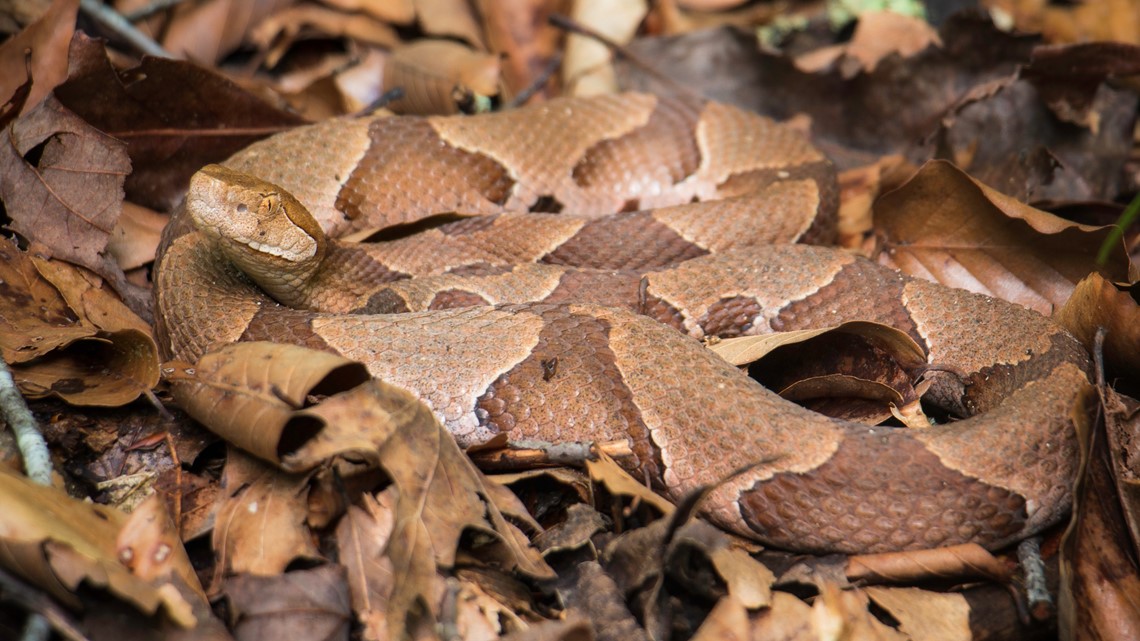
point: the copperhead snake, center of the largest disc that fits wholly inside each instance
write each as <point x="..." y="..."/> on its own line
<point x="601" y="297"/>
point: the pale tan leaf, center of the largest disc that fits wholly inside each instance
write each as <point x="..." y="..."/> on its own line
<point x="440" y="77"/>
<point x="606" y="472"/>
<point x="944" y="226"/>
<point x="749" y="349"/>
<point x="587" y="64"/>
<point x="926" y="615"/>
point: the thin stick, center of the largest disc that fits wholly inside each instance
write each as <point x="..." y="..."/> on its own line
<point x="149" y="10"/>
<point x="538" y="83"/>
<point x="569" y="24"/>
<point x="111" y="20"/>
<point x="1036" y="591"/>
<point x="37" y="459"/>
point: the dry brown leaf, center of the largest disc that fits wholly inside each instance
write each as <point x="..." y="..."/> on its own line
<point x="58" y="542"/>
<point x="942" y="225"/>
<point x="277" y="33"/>
<point x="604" y="471"/>
<point x="398" y="11"/>
<point x="787" y="619"/>
<point x="135" y="237"/>
<point x="748" y="580"/>
<point x="1122" y="423"/>
<point x="958" y="561"/>
<point x="1100" y="581"/>
<point x="450" y="19"/>
<point x="440" y="77"/>
<point x="519" y="31"/>
<point x="259" y="527"/>
<point x="149" y="545"/>
<point x="1114" y="20"/>
<point x="925" y="615"/>
<point x="249" y="388"/>
<point x="362" y="537"/>
<point x="728" y="620"/>
<point x="77" y="342"/>
<point x="246" y="393"/>
<point x="744" y="350"/>
<point x="1096" y="303"/>
<point x="587" y="67"/>
<point x="878" y="34"/>
<point x="303" y="604"/>
<point x="64" y="189"/>
<point x="857" y="371"/>
<point x="45" y="41"/>
<point x="840" y="613"/>
<point x="205" y="32"/>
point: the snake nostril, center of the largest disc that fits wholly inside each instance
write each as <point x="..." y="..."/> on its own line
<point x="242" y="208"/>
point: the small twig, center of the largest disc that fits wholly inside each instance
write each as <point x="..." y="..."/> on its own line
<point x="111" y="20"/>
<point x="15" y="590"/>
<point x="156" y="6"/>
<point x="538" y="83"/>
<point x="36" y="628"/>
<point x="177" y="516"/>
<point x="1036" y="591"/>
<point x="37" y="459"/>
<point x="569" y="24"/>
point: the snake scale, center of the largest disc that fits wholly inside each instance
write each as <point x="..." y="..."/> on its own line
<point x="543" y="273"/>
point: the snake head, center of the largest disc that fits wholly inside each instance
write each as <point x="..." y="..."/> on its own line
<point x="260" y="227"/>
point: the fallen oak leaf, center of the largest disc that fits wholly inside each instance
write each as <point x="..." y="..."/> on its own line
<point x="1096" y="302"/>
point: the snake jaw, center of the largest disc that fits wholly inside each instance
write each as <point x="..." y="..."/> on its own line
<point x="261" y="228"/>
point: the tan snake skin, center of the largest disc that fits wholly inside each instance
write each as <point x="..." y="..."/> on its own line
<point x="489" y="303"/>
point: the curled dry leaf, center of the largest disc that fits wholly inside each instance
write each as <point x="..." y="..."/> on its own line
<point x="277" y="33"/>
<point x="135" y="237"/>
<point x="247" y="393"/>
<point x="958" y="561"/>
<point x="1122" y="422"/>
<point x="57" y="542"/>
<point x="787" y="619"/>
<point x="440" y="77"/>
<point x="66" y="336"/>
<point x="728" y="620"/>
<point x="944" y="226"/>
<point x="1096" y="303"/>
<point x="856" y="371"/>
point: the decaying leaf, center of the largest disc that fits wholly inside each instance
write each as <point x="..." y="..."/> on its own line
<point x="303" y="604"/>
<point x="925" y="615"/>
<point x="878" y="34"/>
<point x="604" y="471"/>
<point x="943" y="225"/>
<point x="57" y="543"/>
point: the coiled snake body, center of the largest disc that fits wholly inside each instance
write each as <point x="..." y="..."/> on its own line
<point x="545" y="320"/>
